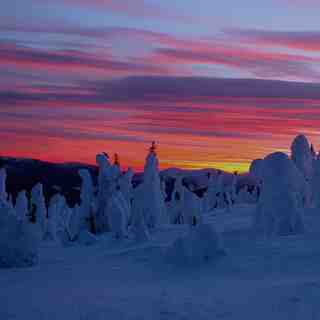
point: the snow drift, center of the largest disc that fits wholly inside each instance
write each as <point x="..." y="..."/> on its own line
<point x="200" y="245"/>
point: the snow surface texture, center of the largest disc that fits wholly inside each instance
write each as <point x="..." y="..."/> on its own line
<point x="119" y="279"/>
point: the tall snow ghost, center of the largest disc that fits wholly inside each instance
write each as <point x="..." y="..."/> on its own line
<point x="125" y="185"/>
<point x="210" y="198"/>
<point x="175" y="207"/>
<point x="18" y="240"/>
<point x="191" y="208"/>
<point x="56" y="209"/>
<point x="148" y="198"/>
<point x="106" y="185"/>
<point x="119" y="213"/>
<point x="315" y="183"/>
<point x="38" y="208"/>
<point x="301" y="155"/>
<point x="280" y="208"/>
<point x="3" y="178"/>
<point x="87" y="200"/>
<point x="21" y="206"/>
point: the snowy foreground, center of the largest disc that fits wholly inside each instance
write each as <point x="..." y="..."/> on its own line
<point x="276" y="278"/>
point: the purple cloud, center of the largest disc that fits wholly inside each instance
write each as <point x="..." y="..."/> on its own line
<point x="302" y="40"/>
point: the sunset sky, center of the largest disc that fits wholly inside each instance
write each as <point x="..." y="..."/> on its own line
<point x="215" y="83"/>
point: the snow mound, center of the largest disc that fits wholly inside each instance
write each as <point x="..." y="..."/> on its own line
<point x="86" y="238"/>
<point x="18" y="240"/>
<point x="201" y="245"/>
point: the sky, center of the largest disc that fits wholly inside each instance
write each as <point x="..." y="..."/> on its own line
<point x="214" y="83"/>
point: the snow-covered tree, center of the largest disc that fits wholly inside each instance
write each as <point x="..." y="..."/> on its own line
<point x="125" y="186"/>
<point x="107" y="184"/>
<point x="280" y="208"/>
<point x="138" y="227"/>
<point x="176" y="205"/>
<point x="71" y="222"/>
<point x="148" y="197"/>
<point x="87" y="198"/>
<point x="245" y="196"/>
<point x="116" y="161"/>
<point x="21" y="207"/>
<point x="64" y="223"/>
<point x="230" y="191"/>
<point x="19" y="240"/>
<point x="38" y="208"/>
<point x="313" y="152"/>
<point x="191" y="208"/>
<point x="256" y="169"/>
<point x="3" y="178"/>
<point x="210" y="199"/>
<point x="301" y="155"/>
<point x="56" y="209"/>
<point x="315" y="183"/>
<point x="185" y="206"/>
<point x="119" y="212"/>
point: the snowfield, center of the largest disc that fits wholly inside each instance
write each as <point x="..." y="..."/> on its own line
<point x="258" y="278"/>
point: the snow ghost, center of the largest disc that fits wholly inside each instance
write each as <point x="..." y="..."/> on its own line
<point x="19" y="240"/>
<point x="125" y="185"/>
<point x="210" y="199"/>
<point x="119" y="212"/>
<point x="301" y="155"/>
<point x="175" y="206"/>
<point x="21" y="206"/>
<point x="280" y="207"/>
<point x="38" y="208"/>
<point x="106" y="185"/>
<point x="138" y="227"/>
<point x="3" y="178"/>
<point x="185" y="206"/>
<point x="56" y="209"/>
<point x="256" y="169"/>
<point x="148" y="196"/>
<point x="316" y="184"/>
<point x="191" y="208"/>
<point x="87" y="199"/>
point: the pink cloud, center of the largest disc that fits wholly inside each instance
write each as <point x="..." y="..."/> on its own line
<point x="72" y="61"/>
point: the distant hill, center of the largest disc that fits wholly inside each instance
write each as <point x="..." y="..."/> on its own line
<point x="64" y="178"/>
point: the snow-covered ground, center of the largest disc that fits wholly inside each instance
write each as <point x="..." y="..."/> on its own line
<point x="258" y="278"/>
